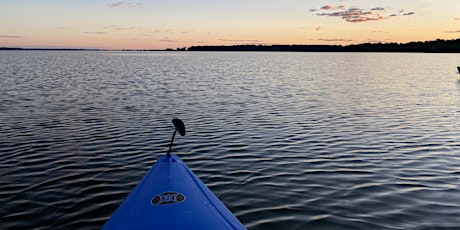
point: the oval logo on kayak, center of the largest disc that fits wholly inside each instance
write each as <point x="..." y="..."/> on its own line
<point x="168" y="198"/>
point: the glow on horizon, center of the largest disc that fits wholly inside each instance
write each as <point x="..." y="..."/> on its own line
<point x="164" y="24"/>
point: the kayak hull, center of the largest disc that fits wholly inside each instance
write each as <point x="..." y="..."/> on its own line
<point x="171" y="196"/>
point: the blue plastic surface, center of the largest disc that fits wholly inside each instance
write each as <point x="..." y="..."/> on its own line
<point x="171" y="196"/>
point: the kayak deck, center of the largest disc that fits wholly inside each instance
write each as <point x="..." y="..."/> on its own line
<point x="171" y="196"/>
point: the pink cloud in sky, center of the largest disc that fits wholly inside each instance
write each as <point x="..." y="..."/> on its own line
<point x="335" y="40"/>
<point x="355" y="14"/>
<point x="380" y="31"/>
<point x="241" y="40"/>
<point x="11" y="36"/>
<point x="327" y="7"/>
<point x="125" y="4"/>
<point x="332" y="7"/>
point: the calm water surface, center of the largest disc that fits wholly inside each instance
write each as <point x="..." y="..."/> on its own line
<point x="285" y="140"/>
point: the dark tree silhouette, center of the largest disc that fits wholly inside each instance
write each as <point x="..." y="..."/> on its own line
<point x="436" y="46"/>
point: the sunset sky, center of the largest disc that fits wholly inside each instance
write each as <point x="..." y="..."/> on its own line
<point x="160" y="24"/>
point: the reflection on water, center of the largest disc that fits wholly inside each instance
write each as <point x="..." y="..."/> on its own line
<point x="286" y="140"/>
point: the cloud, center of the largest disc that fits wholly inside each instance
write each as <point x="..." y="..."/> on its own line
<point x="116" y="27"/>
<point x="375" y="41"/>
<point x="167" y="39"/>
<point x="126" y="4"/>
<point x="318" y="28"/>
<point x="239" y="40"/>
<point x="380" y="31"/>
<point x="11" y="36"/>
<point x="96" y="32"/>
<point x="187" y="31"/>
<point x="401" y="13"/>
<point x="355" y="14"/>
<point x="456" y="19"/>
<point x="332" y="7"/>
<point x="115" y="4"/>
<point x="452" y="31"/>
<point x="334" y="40"/>
<point x="328" y="7"/>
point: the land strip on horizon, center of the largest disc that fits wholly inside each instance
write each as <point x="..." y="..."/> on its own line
<point x="435" y="46"/>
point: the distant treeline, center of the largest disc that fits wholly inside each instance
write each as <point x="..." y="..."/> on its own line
<point x="436" y="46"/>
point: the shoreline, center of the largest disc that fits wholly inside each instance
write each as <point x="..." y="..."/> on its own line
<point x="434" y="46"/>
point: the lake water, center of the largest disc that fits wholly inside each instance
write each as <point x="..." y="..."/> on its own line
<point x="285" y="140"/>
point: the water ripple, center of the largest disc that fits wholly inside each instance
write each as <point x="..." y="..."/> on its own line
<point x="285" y="140"/>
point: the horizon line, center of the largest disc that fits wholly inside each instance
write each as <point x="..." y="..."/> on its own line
<point x="234" y="45"/>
